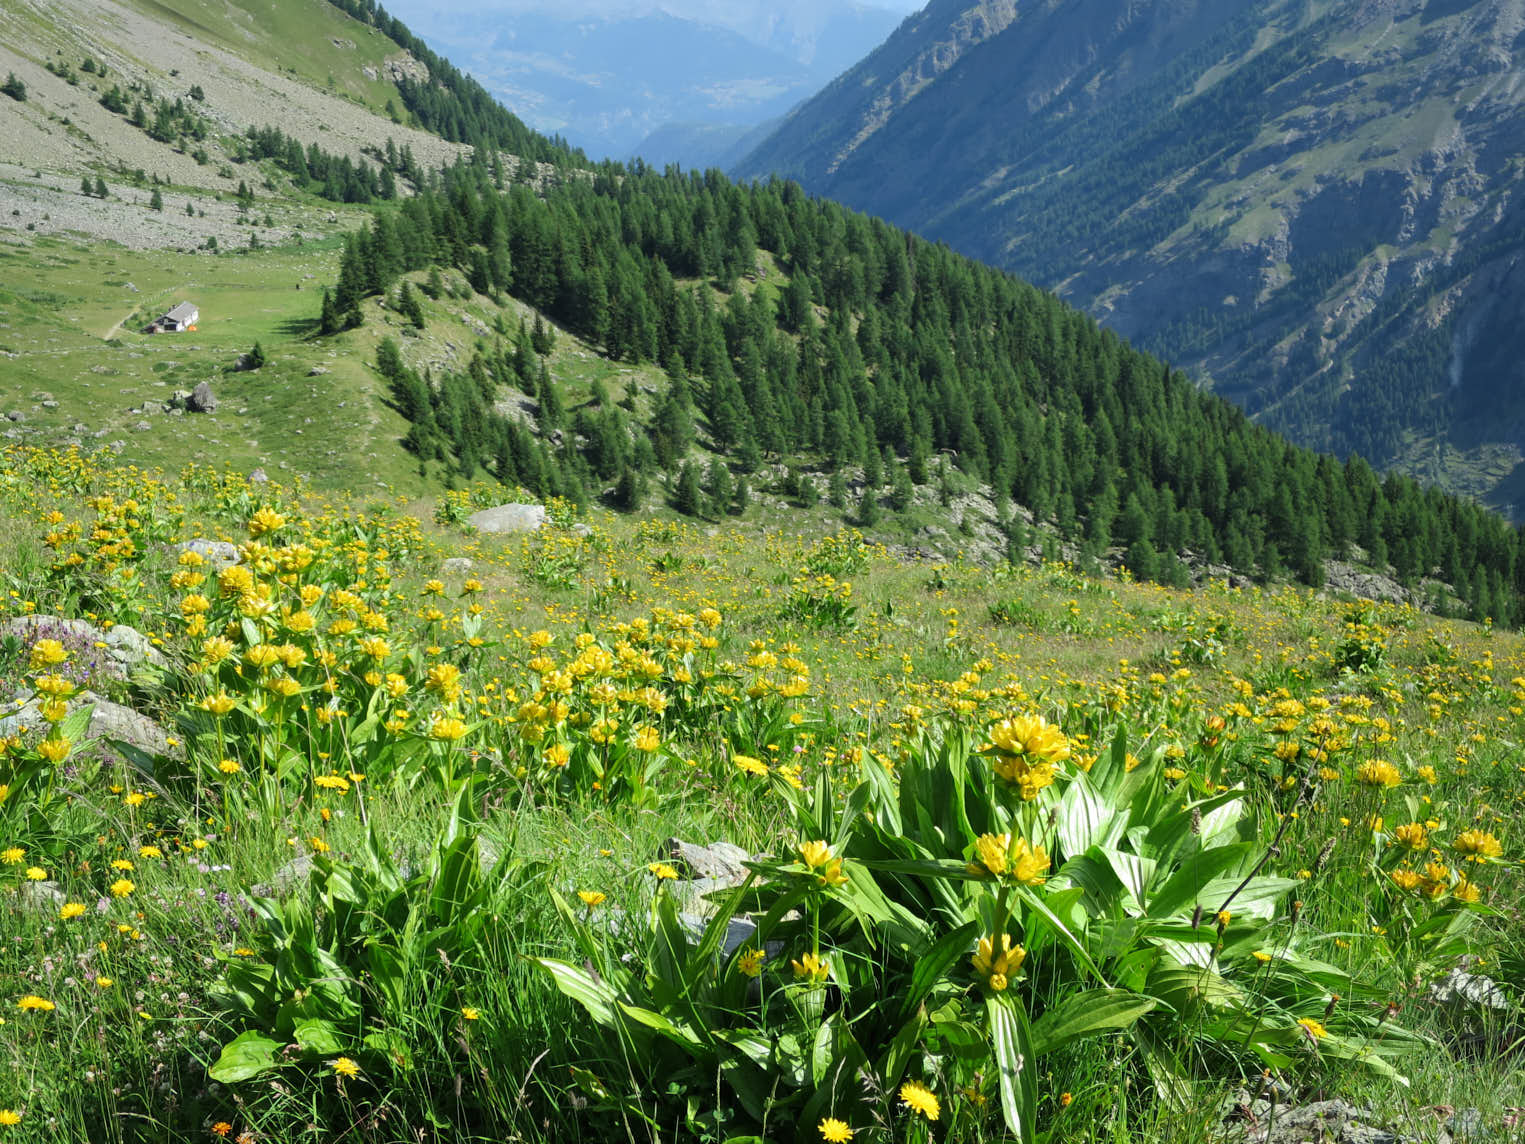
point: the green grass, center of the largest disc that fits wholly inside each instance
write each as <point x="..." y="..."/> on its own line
<point x="298" y="40"/>
<point x="76" y="326"/>
<point x="919" y="629"/>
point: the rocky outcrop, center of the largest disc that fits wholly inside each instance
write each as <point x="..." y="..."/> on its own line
<point x="121" y="649"/>
<point x="202" y="400"/>
<point x="508" y="518"/>
<point x="108" y="721"/>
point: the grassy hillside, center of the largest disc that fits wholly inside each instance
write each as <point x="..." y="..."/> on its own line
<point x="392" y="770"/>
<point x="74" y="325"/>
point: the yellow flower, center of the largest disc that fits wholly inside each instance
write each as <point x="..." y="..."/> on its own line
<point x="1378" y="773"/>
<point x="447" y="728"/>
<point x="262" y="655"/>
<point x="150" y="852"/>
<point x="32" y="1003"/>
<point x="998" y="966"/>
<point x="815" y="854"/>
<point x="919" y="1098"/>
<point x="229" y="767"/>
<point x="104" y="982"/>
<point x="1477" y="843"/>
<point x="9" y="1117"/>
<point x="121" y="888"/>
<point x="219" y="704"/>
<point x="832" y="875"/>
<point x="54" y="685"/>
<point x="1313" y="1028"/>
<point x="12" y="856"/>
<point x="47" y="653"/>
<point x="1030" y="735"/>
<point x="71" y="910"/>
<point x="36" y="874"/>
<point x="750" y="961"/>
<point x="216" y="649"/>
<point x="445" y="678"/>
<point x="749" y="765"/>
<point x="345" y="1067"/>
<point x="662" y="870"/>
<point x="469" y="1013"/>
<point x="262" y="523"/>
<point x="55" y="750"/>
<point x="835" y="1131"/>
<point x="647" y="739"/>
<point x="812" y="968"/>
<point x="591" y="898"/>
<point x="1000" y="857"/>
<point x="1411" y="836"/>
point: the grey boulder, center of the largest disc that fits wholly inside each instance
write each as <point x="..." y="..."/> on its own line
<point x="507" y="518"/>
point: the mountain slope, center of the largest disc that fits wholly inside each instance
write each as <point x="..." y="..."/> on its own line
<point x="1312" y="206"/>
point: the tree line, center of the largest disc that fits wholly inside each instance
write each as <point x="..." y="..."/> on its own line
<point x="793" y="328"/>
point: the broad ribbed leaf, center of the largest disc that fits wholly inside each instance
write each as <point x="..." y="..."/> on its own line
<point x="1085" y="1015"/>
<point x="1015" y="1062"/>
<point x="245" y="1056"/>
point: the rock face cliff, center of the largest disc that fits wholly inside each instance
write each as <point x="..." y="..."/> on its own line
<point x="1312" y="205"/>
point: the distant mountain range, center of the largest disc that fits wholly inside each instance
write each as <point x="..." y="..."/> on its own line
<point x="669" y="80"/>
<point x="1312" y="205"/>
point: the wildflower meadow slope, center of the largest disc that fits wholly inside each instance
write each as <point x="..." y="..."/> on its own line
<point x="1025" y="855"/>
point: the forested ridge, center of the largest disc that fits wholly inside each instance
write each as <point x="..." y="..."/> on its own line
<point x="878" y="349"/>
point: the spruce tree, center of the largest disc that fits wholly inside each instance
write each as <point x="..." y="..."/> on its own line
<point x="156" y="201"/>
<point x="329" y="321"/>
<point x="868" y="509"/>
<point x="689" y="497"/>
<point x="630" y="490"/>
<point x="721" y="488"/>
<point x="100" y="188"/>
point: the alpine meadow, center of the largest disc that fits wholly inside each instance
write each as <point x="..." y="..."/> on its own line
<point x="501" y="646"/>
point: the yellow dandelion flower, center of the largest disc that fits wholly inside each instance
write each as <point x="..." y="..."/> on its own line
<point x="921" y="1099"/>
<point x="834" y="1131"/>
